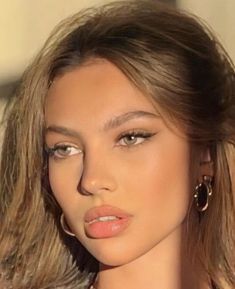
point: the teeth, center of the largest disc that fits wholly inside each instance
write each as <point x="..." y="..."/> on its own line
<point x="105" y="218"/>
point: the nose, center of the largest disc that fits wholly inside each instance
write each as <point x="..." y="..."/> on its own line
<point x="98" y="174"/>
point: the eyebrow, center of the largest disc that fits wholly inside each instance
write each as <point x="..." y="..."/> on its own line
<point x="111" y="124"/>
<point x="119" y="120"/>
<point x="63" y="130"/>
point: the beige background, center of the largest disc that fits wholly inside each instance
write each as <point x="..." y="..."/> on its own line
<point x="220" y="15"/>
<point x="25" y="24"/>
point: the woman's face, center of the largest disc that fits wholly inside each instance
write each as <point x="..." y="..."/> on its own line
<point x="109" y="147"/>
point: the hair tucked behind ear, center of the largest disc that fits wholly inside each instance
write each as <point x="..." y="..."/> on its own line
<point x="181" y="67"/>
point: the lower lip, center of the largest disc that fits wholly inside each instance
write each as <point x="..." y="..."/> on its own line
<point x="106" y="229"/>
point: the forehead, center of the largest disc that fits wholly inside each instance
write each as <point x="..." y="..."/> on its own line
<point x="96" y="88"/>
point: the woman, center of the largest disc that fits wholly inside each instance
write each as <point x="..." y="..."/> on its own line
<point x="117" y="156"/>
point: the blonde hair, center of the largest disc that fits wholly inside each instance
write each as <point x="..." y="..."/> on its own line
<point x="176" y="62"/>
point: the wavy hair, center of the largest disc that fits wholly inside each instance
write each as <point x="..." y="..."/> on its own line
<point x="178" y="63"/>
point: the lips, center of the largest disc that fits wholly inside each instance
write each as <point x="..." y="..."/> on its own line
<point x="103" y="211"/>
<point x="105" y="222"/>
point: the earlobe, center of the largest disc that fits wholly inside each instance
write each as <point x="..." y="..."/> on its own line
<point x="206" y="164"/>
<point x="205" y="156"/>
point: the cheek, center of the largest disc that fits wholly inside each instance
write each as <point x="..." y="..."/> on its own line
<point x="161" y="181"/>
<point x="64" y="178"/>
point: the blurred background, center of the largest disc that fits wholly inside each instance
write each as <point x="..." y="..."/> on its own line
<point x="25" y="25"/>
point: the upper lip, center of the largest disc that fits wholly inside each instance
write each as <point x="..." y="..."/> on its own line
<point x="105" y="210"/>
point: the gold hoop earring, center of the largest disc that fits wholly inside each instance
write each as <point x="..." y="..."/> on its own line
<point x="65" y="227"/>
<point x="202" y="194"/>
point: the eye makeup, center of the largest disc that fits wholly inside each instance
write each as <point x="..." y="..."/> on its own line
<point x="63" y="150"/>
<point x="134" y="137"/>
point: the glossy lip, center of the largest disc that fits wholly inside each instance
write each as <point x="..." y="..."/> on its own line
<point x="105" y="210"/>
<point x="109" y="228"/>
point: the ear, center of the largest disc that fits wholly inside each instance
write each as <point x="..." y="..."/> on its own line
<point x="206" y="164"/>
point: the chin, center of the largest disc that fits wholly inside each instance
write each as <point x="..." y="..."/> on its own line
<point x="112" y="254"/>
<point x="114" y="260"/>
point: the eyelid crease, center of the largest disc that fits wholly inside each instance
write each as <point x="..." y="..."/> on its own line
<point x="62" y="144"/>
<point x="146" y="135"/>
<point x="136" y="133"/>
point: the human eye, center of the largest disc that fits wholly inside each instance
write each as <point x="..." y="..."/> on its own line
<point x="62" y="151"/>
<point x="133" y="138"/>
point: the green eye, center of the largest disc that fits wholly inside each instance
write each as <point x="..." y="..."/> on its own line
<point x="134" y="138"/>
<point x="63" y="151"/>
<point x="131" y="140"/>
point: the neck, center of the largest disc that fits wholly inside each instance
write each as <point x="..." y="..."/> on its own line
<point x="164" y="266"/>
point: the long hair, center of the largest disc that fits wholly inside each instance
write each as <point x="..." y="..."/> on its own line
<point x="175" y="61"/>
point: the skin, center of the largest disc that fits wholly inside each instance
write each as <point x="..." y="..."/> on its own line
<point x="146" y="177"/>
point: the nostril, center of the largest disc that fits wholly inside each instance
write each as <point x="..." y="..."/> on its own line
<point x="87" y="191"/>
<point x="81" y="190"/>
<point x="96" y="178"/>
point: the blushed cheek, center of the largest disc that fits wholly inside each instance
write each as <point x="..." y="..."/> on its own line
<point x="64" y="180"/>
<point x="165" y="183"/>
<point x="175" y="188"/>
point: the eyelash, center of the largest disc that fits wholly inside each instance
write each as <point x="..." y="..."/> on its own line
<point x="136" y="134"/>
<point x="52" y="152"/>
